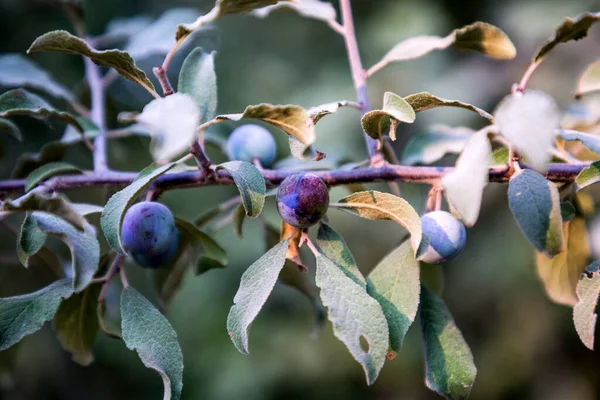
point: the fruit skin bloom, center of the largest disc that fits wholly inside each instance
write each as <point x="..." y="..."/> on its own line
<point x="149" y="234"/>
<point x="447" y="237"/>
<point x="250" y="141"/>
<point x="302" y="199"/>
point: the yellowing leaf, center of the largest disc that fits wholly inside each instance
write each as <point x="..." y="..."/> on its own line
<point x="560" y="274"/>
<point x="584" y="312"/>
<point x="425" y="101"/>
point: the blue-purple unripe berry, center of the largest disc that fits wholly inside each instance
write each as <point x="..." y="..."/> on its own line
<point x="249" y="142"/>
<point x="302" y="199"/>
<point x="149" y="234"/>
<point x="447" y="237"/>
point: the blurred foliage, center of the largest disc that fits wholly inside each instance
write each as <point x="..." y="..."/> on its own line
<point x="524" y="346"/>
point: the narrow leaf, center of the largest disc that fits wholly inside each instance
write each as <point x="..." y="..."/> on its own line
<point x="17" y="71"/>
<point x="76" y="324"/>
<point x="561" y="273"/>
<point x="84" y="246"/>
<point x="384" y="206"/>
<point x="395" y="109"/>
<point x="291" y="119"/>
<point x="318" y="112"/>
<point x="54" y="205"/>
<point x="530" y="123"/>
<point x="395" y="284"/>
<point x="588" y="176"/>
<point x="570" y="29"/>
<point x="535" y="204"/>
<point x="450" y="369"/>
<point x="250" y="183"/>
<point x="334" y="247"/>
<point x="435" y="143"/>
<point x="355" y="316"/>
<point x="113" y="213"/>
<point x="10" y="127"/>
<point x="425" y="101"/>
<point x="121" y="61"/>
<point x="48" y="170"/>
<point x="319" y="10"/>
<point x="147" y="331"/>
<point x="171" y="122"/>
<point x="464" y="186"/>
<point x="23" y="315"/>
<point x="584" y="312"/>
<point x="22" y="102"/>
<point x="589" y="140"/>
<point x="255" y="287"/>
<point x="31" y="239"/>
<point x="197" y="78"/>
<point x="590" y="80"/>
<point x="481" y="37"/>
<point x="238" y="218"/>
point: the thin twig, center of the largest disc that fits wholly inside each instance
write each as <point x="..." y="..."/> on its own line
<point x="336" y="26"/>
<point x="106" y="279"/>
<point x="161" y="75"/>
<point x="123" y="277"/>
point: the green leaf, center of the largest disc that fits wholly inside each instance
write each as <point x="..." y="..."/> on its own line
<point x="567" y="211"/>
<point x="355" y="316"/>
<point x="54" y="205"/>
<point x="481" y="37"/>
<point x="314" y="9"/>
<point x="588" y="176"/>
<point x="76" y="324"/>
<point x="22" y="102"/>
<point x="121" y="61"/>
<point x="291" y="119"/>
<point x="113" y="213"/>
<point x="156" y="39"/>
<point x="86" y="209"/>
<point x="250" y="183"/>
<point x="17" y="71"/>
<point x="171" y="122"/>
<point x="561" y="273"/>
<point x="384" y="206"/>
<point x="334" y="247"/>
<point x="590" y="80"/>
<point x="589" y="140"/>
<point x="464" y="186"/>
<point x="147" y="331"/>
<point x="530" y="122"/>
<point x="318" y="112"/>
<point x="31" y="239"/>
<point x="424" y="101"/>
<point x="238" y="218"/>
<point x="48" y="170"/>
<point x="197" y="78"/>
<point x="500" y="156"/>
<point x="122" y="28"/>
<point x="203" y="246"/>
<point x="255" y="287"/>
<point x="535" y="204"/>
<point x="584" y="312"/>
<point x="8" y="126"/>
<point x="570" y="29"/>
<point x="23" y="315"/>
<point x="435" y="143"/>
<point x="450" y="369"/>
<point x="395" y="284"/>
<point x="84" y="247"/>
<point x="395" y="110"/>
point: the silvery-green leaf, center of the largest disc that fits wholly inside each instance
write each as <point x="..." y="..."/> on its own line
<point x="197" y="78"/>
<point x="435" y="143"/>
<point x="334" y="247"/>
<point x="172" y="123"/>
<point x="464" y="186"/>
<point x="589" y="140"/>
<point x="395" y="284"/>
<point x="584" y="312"/>
<point x="535" y="204"/>
<point x="31" y="239"/>
<point x="48" y="170"/>
<point x="588" y="175"/>
<point x="23" y="315"/>
<point x="530" y="122"/>
<point x="318" y="112"/>
<point x="255" y="287"/>
<point x="315" y="9"/>
<point x="250" y="183"/>
<point x="395" y="109"/>
<point x="355" y="316"/>
<point x="6" y="125"/>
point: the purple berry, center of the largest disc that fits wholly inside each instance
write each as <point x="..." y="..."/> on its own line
<point x="160" y="259"/>
<point x="148" y="228"/>
<point x="302" y="199"/>
<point x="250" y="141"/>
<point x="447" y="237"/>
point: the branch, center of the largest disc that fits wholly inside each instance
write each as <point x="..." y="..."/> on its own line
<point x="92" y="73"/>
<point x="359" y="77"/>
<point x="558" y="172"/>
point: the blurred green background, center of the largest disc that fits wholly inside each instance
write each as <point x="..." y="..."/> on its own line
<point x="525" y="347"/>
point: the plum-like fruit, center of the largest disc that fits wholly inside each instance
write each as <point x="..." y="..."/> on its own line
<point x="250" y="141"/>
<point x="302" y="199"/>
<point x="447" y="237"/>
<point x="149" y="233"/>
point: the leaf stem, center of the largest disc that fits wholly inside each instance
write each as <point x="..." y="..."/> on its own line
<point x="106" y="279"/>
<point x="161" y="75"/>
<point x="359" y="77"/>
